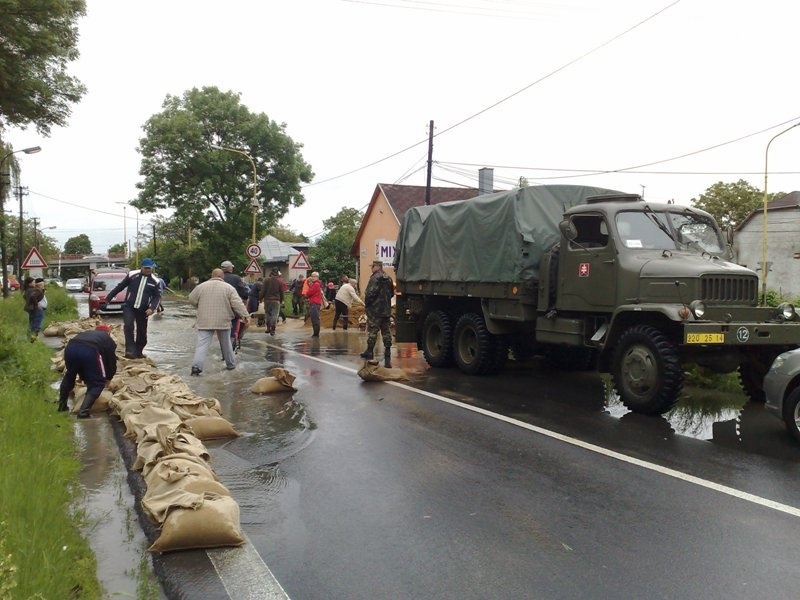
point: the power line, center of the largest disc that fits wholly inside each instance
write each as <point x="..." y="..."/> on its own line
<point x="502" y="100"/>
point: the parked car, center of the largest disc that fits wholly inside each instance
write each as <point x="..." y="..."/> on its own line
<point x="100" y="284"/>
<point x="782" y="390"/>
<point x="13" y="284"/>
<point x="76" y="284"/>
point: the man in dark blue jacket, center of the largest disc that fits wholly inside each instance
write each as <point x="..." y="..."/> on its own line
<point x="92" y="355"/>
<point x="141" y="301"/>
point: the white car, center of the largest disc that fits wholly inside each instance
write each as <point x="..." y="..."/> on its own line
<point x="74" y="285"/>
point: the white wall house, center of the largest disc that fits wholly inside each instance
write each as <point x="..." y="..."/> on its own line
<point x="783" y="244"/>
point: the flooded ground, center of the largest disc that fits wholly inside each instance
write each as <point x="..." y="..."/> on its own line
<point x="278" y="427"/>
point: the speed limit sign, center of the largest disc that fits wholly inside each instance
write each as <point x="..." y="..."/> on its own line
<point x="253" y="250"/>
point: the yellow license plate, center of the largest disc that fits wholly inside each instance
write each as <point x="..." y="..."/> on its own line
<point x="705" y="338"/>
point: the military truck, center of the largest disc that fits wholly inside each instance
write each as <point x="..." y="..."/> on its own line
<point x="589" y="278"/>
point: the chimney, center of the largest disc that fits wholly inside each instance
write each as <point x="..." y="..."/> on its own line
<point x="485" y="181"/>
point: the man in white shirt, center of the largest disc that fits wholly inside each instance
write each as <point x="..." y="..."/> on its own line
<point x="344" y="300"/>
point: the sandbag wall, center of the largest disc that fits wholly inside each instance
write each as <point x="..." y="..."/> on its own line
<point x="168" y="423"/>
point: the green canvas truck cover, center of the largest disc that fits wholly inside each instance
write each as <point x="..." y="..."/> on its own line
<point x="498" y="237"/>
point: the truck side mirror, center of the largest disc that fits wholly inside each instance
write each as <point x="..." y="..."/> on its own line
<point x="568" y="229"/>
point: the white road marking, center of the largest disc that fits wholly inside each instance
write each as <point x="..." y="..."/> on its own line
<point x="723" y="489"/>
<point x="244" y="573"/>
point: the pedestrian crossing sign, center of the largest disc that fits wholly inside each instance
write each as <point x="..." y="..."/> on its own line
<point x="301" y="262"/>
<point x="34" y="260"/>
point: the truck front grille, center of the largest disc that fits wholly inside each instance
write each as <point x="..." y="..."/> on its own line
<point x="730" y="289"/>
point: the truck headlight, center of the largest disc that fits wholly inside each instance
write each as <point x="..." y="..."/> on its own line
<point x="698" y="308"/>
<point x="786" y="311"/>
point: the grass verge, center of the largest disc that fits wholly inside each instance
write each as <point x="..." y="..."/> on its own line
<point x="42" y="551"/>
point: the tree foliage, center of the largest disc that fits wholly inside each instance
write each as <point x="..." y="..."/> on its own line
<point x="80" y="244"/>
<point x="286" y="234"/>
<point x="211" y="190"/>
<point x="331" y="253"/>
<point x="732" y="203"/>
<point x="39" y="39"/>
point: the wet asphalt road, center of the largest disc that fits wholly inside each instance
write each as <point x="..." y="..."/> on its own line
<point x="522" y="485"/>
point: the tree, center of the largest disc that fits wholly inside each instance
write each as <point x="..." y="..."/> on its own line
<point x="80" y="244"/>
<point x="211" y="190"/>
<point x="117" y="249"/>
<point x="39" y="40"/>
<point x="286" y="234"/>
<point x="331" y="254"/>
<point x="731" y="203"/>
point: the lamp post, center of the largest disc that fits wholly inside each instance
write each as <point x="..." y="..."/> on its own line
<point x="255" y="183"/>
<point x="31" y="150"/>
<point x="124" y="206"/>
<point x="764" y="266"/>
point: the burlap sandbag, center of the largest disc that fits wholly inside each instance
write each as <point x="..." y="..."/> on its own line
<point x="177" y="466"/>
<point x="269" y="385"/>
<point x="213" y="524"/>
<point x="54" y="330"/>
<point x="186" y="406"/>
<point x="375" y="372"/>
<point x="159" y="440"/>
<point x="283" y="376"/>
<point x="211" y="428"/>
<point x="135" y="422"/>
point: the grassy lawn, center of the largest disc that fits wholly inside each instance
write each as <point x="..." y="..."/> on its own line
<point x="42" y="551"/>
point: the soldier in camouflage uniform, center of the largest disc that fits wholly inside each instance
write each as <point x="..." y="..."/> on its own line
<point x="377" y="300"/>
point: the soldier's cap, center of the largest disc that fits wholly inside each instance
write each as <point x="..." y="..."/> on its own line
<point x="377" y="263"/>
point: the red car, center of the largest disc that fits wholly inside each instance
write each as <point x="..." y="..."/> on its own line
<point x="13" y="284"/>
<point x="100" y="284"/>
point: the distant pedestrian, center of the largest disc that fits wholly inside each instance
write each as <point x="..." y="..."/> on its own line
<point x="272" y="294"/>
<point x="162" y="285"/>
<point x="378" y="304"/>
<point x="141" y="301"/>
<point x="92" y="355"/>
<point x="231" y="278"/>
<point x="254" y="295"/>
<point x="297" y="295"/>
<point x="314" y="295"/>
<point x="217" y="303"/>
<point x="32" y="296"/>
<point x="345" y="298"/>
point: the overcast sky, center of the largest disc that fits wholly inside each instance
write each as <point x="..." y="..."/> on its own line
<point x="544" y="89"/>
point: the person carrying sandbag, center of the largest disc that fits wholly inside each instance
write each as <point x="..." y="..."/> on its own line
<point x="92" y="355"/>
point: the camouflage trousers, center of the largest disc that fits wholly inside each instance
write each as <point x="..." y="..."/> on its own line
<point x="374" y="326"/>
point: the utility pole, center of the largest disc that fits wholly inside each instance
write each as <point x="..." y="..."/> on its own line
<point x="35" y="232"/>
<point x="430" y="164"/>
<point x="21" y="191"/>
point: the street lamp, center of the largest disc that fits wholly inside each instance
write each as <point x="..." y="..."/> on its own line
<point x="124" y="230"/>
<point x="36" y="231"/>
<point x="764" y="266"/>
<point x="255" y="183"/>
<point x="31" y="150"/>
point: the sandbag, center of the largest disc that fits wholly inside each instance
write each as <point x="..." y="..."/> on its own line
<point x="101" y="404"/>
<point x="374" y="372"/>
<point x="269" y="385"/>
<point x="211" y="428"/>
<point x="213" y="524"/>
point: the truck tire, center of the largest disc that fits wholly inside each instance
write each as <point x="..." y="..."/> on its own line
<point x="437" y="339"/>
<point x="473" y="345"/>
<point x="751" y="378"/>
<point x="791" y="413"/>
<point x="647" y="371"/>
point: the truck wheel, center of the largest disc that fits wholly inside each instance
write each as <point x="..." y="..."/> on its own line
<point x="751" y="377"/>
<point x="647" y="371"/>
<point x="791" y="413"/>
<point x="473" y="345"/>
<point x="437" y="339"/>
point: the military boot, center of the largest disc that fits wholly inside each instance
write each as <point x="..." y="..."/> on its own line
<point x="367" y="354"/>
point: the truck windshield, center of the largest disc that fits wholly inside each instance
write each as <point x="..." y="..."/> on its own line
<point x="689" y="231"/>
